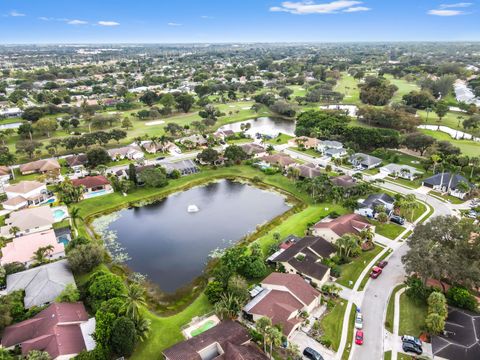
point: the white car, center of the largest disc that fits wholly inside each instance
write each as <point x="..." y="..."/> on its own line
<point x="359" y="321"/>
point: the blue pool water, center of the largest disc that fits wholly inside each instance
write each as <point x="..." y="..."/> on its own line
<point x="63" y="240"/>
<point x="59" y="214"/>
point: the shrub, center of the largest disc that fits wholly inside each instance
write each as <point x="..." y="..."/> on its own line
<point x="83" y="258"/>
<point x="435" y="323"/>
<point x="461" y="297"/>
<point x="122" y="341"/>
<point x="336" y="271"/>
<point x="69" y="294"/>
<point x="104" y="286"/>
<point x="213" y="291"/>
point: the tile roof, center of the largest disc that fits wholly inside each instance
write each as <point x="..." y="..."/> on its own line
<point x="91" y="181"/>
<point x="345" y="181"/>
<point x="349" y="223"/>
<point x="365" y="159"/>
<point x="76" y="160"/>
<point x="252" y="148"/>
<point x="55" y="330"/>
<point x="42" y="284"/>
<point x="24" y="187"/>
<point x="31" y="218"/>
<point x="223" y="333"/>
<point x="278" y="159"/>
<point x="444" y="178"/>
<point x="295" y="284"/>
<point x="4" y="170"/>
<point x="40" y="166"/>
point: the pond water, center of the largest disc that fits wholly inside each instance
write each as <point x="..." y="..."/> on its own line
<point x="14" y="125"/>
<point x="269" y="126"/>
<point x="172" y="246"/>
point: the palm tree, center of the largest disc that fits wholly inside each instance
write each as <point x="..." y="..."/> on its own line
<point x="274" y="337"/>
<point x="228" y="306"/>
<point x="435" y="159"/>
<point x="346" y="244"/>
<point x="101" y="169"/>
<point x="74" y="216"/>
<point x="14" y="230"/>
<point x="474" y="161"/>
<point x="134" y="299"/>
<point x="454" y="171"/>
<point x="367" y="235"/>
<point x="40" y="255"/>
<point x="409" y="203"/>
<point x="261" y="326"/>
<point x="142" y="327"/>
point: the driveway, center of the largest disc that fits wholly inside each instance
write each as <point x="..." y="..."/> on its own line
<point x="303" y="341"/>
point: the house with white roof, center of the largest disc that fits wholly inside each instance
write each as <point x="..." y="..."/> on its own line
<point x="26" y="193"/>
<point x="131" y="152"/>
<point x="402" y="171"/>
<point x="28" y="221"/>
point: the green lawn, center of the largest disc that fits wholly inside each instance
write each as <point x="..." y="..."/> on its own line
<point x="298" y="90"/>
<point x="309" y="152"/>
<point x="412" y="316"/>
<point x="352" y="270"/>
<point x="391" y="309"/>
<point x="166" y="331"/>
<point x="348" y="86"/>
<point x="351" y="325"/>
<point x="389" y="230"/>
<point x="468" y="147"/>
<point x="453" y="120"/>
<point x="446" y="197"/>
<point x="279" y="140"/>
<point x="404" y="87"/>
<point x="332" y="323"/>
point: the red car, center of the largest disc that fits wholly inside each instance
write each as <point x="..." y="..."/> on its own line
<point x="359" y="337"/>
<point x="382" y="264"/>
<point x="376" y="271"/>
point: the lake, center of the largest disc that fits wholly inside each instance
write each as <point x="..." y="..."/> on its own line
<point x="14" y="125"/>
<point x="172" y="246"/>
<point x="269" y="126"/>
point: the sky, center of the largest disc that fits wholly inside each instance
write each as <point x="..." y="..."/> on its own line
<point x="209" y="21"/>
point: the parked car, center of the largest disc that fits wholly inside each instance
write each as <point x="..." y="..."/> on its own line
<point x="160" y="158"/>
<point x="359" y="337"/>
<point x="312" y="354"/>
<point x="382" y="264"/>
<point x="413" y="340"/>
<point x="409" y="347"/>
<point x="397" y="219"/>
<point x="376" y="271"/>
<point x="359" y="321"/>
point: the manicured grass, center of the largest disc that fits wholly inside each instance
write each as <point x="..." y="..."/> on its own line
<point x="431" y="210"/>
<point x="166" y="331"/>
<point x="414" y="184"/>
<point x="468" y="147"/>
<point x="280" y="139"/>
<point x="389" y="317"/>
<point x="297" y="91"/>
<point x="352" y="270"/>
<point x="348" y="86"/>
<point x="389" y="230"/>
<point x="453" y="120"/>
<point x="404" y="87"/>
<point x="412" y="316"/>
<point x="309" y="152"/>
<point x="448" y="198"/>
<point x="387" y="355"/>
<point x="351" y="325"/>
<point x="332" y="323"/>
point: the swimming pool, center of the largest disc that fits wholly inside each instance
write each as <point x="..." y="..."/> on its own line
<point x="63" y="239"/>
<point x="205" y="326"/>
<point x="59" y="214"/>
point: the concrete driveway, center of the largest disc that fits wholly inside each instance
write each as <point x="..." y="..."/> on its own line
<point x="303" y="340"/>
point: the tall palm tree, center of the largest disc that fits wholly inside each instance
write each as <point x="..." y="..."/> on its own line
<point x="14" y="230"/>
<point x="134" y="299"/>
<point x="435" y="159"/>
<point x="75" y="216"/>
<point x="142" y="327"/>
<point x="274" y="337"/>
<point x="40" y="255"/>
<point x="474" y="162"/>
<point x="261" y="326"/>
<point x="409" y="203"/>
<point x="228" y="306"/>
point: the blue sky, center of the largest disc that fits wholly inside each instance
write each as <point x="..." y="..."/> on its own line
<point x="171" y="21"/>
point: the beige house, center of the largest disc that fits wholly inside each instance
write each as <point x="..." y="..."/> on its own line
<point x="305" y="141"/>
<point x="28" y="221"/>
<point x="331" y="229"/>
<point x="40" y="166"/>
<point x="26" y="193"/>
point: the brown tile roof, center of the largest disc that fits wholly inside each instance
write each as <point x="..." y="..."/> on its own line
<point x="345" y="181"/>
<point x="252" y="149"/>
<point x="308" y="170"/>
<point x="91" y="181"/>
<point x="24" y="187"/>
<point x="295" y="284"/>
<point x="55" y="330"/>
<point x="40" y="166"/>
<point x="76" y="160"/>
<point x="4" y="170"/>
<point x="278" y="159"/>
<point x="345" y="224"/>
<point x="242" y="352"/>
<point x="223" y="333"/>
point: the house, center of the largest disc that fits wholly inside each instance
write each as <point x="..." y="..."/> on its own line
<point x="224" y="134"/>
<point x="185" y="167"/>
<point x="324" y="145"/>
<point x="254" y="150"/>
<point x="5" y="175"/>
<point x="305" y="171"/>
<point x="282" y="299"/>
<point x="28" y="221"/>
<point x="227" y="340"/>
<point x="335" y="153"/>
<point x="63" y="330"/>
<point x="26" y="193"/>
<point x="304" y="141"/>
<point x="305" y="256"/>
<point x="21" y="249"/>
<point x="40" y="166"/>
<point x="331" y="229"/>
<point x="446" y="182"/>
<point x="364" y="161"/>
<point x="41" y="284"/>
<point x="94" y="186"/>
<point x="193" y="141"/>
<point x="127" y="152"/>
<point x="77" y="162"/>
<point x="281" y="160"/>
<point x="153" y="147"/>
<point x="344" y="181"/>
<point x="10" y="113"/>
<point x="402" y="171"/>
<point x="460" y="339"/>
<point x="368" y="206"/>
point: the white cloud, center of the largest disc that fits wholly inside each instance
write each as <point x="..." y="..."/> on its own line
<point x="15" y="13"/>
<point x="457" y="5"/>
<point x="445" y="12"/>
<point x="173" y="24"/>
<point x="77" y="22"/>
<point x="108" y="23"/>
<point x="356" y="9"/>
<point x="44" y="18"/>
<point x="206" y="17"/>
<point x="310" y="7"/>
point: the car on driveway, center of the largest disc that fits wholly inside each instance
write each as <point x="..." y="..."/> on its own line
<point x="412" y="340"/>
<point x="309" y="353"/>
<point x="397" y="219"/>
<point x="359" y="321"/>
<point x="409" y="347"/>
<point x="382" y="264"/>
<point x="376" y="271"/>
<point x="359" y="337"/>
